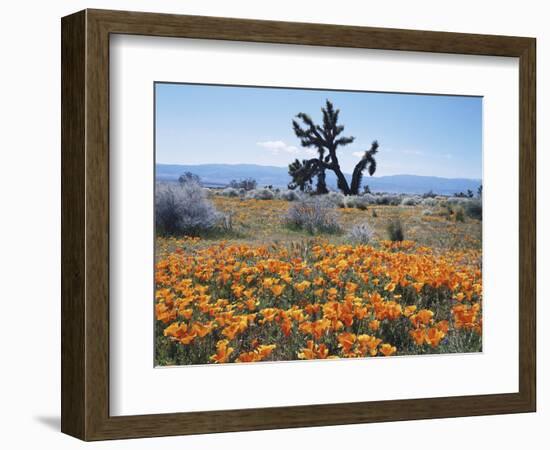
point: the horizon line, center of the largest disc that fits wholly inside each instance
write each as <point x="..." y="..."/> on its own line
<point x="345" y="173"/>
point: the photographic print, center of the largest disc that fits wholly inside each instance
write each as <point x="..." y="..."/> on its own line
<point x="294" y="224"/>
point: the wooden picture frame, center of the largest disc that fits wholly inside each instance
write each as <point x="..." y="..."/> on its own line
<point x="85" y="224"/>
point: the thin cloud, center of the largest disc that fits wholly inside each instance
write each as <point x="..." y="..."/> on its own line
<point x="412" y="152"/>
<point x="277" y="147"/>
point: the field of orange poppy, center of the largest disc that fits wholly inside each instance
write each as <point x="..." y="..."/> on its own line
<point x="269" y="293"/>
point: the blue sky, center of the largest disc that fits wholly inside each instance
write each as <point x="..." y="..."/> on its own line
<point x="418" y="134"/>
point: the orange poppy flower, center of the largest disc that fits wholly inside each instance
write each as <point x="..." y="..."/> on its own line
<point x="277" y="289"/>
<point x="346" y="341"/>
<point x="433" y="336"/>
<point x="286" y="327"/>
<point x="409" y="310"/>
<point x="251" y="304"/>
<point x="368" y="343"/>
<point x="422" y="317"/>
<point x="313" y="351"/>
<point x="201" y="329"/>
<point x="223" y="351"/>
<point x="387" y="349"/>
<point x="443" y="326"/>
<point x="302" y="286"/>
<point x="374" y="325"/>
<point x="418" y="335"/>
<point x="269" y="315"/>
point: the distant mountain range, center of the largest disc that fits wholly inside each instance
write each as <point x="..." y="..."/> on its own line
<point x="219" y="175"/>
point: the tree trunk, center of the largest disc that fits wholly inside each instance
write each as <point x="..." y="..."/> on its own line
<point x="335" y="166"/>
<point x="342" y="182"/>
<point x="321" y="182"/>
<point x="355" y="181"/>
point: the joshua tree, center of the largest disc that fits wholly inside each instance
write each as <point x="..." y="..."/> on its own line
<point x="301" y="174"/>
<point x="367" y="162"/>
<point x="321" y="187"/>
<point x="326" y="140"/>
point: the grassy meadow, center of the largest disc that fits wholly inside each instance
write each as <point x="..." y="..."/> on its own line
<point x="275" y="275"/>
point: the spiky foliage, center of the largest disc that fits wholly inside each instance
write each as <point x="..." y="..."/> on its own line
<point x="303" y="172"/>
<point x="367" y="162"/>
<point x="327" y="139"/>
<point x="301" y="175"/>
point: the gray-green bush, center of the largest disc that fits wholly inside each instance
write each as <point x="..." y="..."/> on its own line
<point x="388" y="199"/>
<point x="411" y="201"/>
<point x="474" y="209"/>
<point x="261" y="194"/>
<point x="337" y="199"/>
<point x="358" y="201"/>
<point x="429" y="201"/>
<point x="230" y="192"/>
<point x="183" y="209"/>
<point x="395" y="230"/>
<point x="289" y="195"/>
<point x="361" y="233"/>
<point x="313" y="215"/>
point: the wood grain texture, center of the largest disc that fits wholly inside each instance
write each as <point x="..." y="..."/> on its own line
<point x="73" y="276"/>
<point x="201" y="27"/>
<point x="97" y="225"/>
<point x="85" y="224"/>
<point x="527" y="224"/>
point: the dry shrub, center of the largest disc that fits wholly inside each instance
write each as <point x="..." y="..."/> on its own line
<point x="183" y="209"/>
<point x="313" y="215"/>
<point x="361" y="233"/>
<point x="395" y="230"/>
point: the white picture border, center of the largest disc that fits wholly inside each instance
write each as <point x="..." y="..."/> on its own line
<point x="136" y="387"/>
